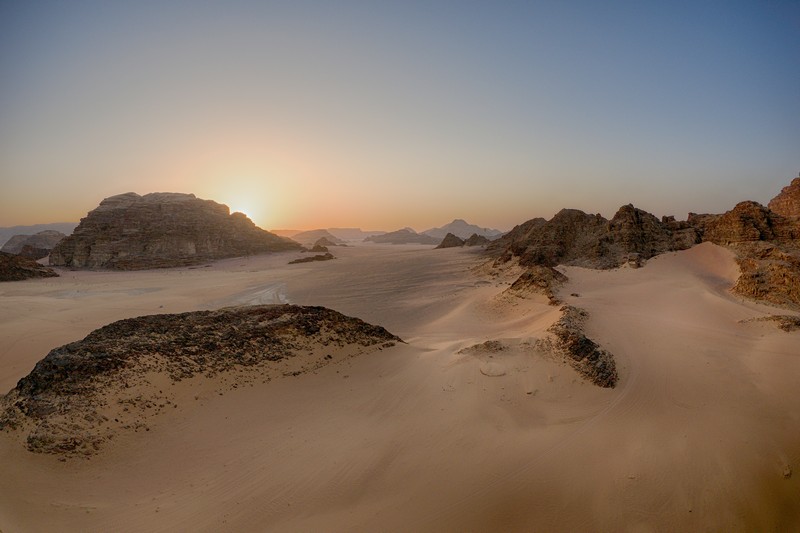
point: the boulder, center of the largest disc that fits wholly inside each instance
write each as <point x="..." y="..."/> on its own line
<point x="17" y="268"/>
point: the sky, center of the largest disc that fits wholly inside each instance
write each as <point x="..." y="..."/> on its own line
<point x="382" y="115"/>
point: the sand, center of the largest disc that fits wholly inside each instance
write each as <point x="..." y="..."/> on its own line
<point x="433" y="435"/>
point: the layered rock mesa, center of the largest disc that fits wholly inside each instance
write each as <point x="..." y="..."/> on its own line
<point x="158" y="230"/>
<point x="17" y="268"/>
<point x="120" y="376"/>
<point x="34" y="246"/>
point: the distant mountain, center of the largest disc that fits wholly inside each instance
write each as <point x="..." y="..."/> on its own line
<point x="463" y="229"/>
<point x="403" y="236"/>
<point x="353" y="234"/>
<point x="64" y="227"/>
<point x="312" y="236"/>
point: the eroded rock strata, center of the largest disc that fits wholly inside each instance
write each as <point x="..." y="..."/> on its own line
<point x="132" y="232"/>
<point x="583" y="354"/>
<point x="82" y="394"/>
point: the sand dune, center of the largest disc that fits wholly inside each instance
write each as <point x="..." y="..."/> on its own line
<point x="448" y="432"/>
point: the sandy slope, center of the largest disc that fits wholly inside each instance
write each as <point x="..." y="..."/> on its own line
<point x="696" y="436"/>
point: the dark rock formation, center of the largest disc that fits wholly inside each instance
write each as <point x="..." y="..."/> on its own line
<point x="768" y="273"/>
<point x="787" y="323"/>
<point x="402" y="236"/>
<point x="319" y="248"/>
<point x="583" y="354"/>
<point x="65" y="404"/>
<point x="17" y="268"/>
<point x="322" y="257"/>
<point x="476" y="240"/>
<point x="462" y="229"/>
<point x="451" y="241"/>
<point x="573" y="237"/>
<point x="44" y="240"/>
<point x="787" y="203"/>
<point x="132" y="232"/>
<point x="34" y="253"/>
<point x="538" y="279"/>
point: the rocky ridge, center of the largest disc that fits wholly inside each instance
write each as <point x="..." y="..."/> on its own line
<point x="451" y="241"/>
<point x="767" y="243"/>
<point x="157" y="230"/>
<point x="17" y="268"/>
<point x="82" y="394"/>
<point x="583" y="354"/>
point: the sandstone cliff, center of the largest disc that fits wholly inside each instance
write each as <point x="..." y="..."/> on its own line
<point x="17" y="268"/>
<point x="132" y="232"/>
<point x="122" y="375"/>
<point x="787" y="203"/>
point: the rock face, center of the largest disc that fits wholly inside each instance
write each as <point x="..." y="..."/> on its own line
<point x="402" y="236"/>
<point x="157" y="230"/>
<point x="71" y="401"/>
<point x="451" y="241"/>
<point x="62" y="227"/>
<point x="749" y="222"/>
<point x="583" y="354"/>
<point x="573" y="237"/>
<point x="17" y="268"/>
<point x="787" y="203"/>
<point x="44" y="240"/>
<point x="462" y="229"/>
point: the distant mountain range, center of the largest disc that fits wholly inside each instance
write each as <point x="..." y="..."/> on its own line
<point x="463" y="229"/>
<point x="64" y="227"/>
<point x="345" y="234"/>
<point x="403" y="236"/>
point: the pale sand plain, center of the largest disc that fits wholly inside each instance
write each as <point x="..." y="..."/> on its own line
<point x="698" y="435"/>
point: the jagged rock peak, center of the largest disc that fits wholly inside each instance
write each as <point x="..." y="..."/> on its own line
<point x="451" y="241"/>
<point x="787" y="203"/>
<point x="133" y="232"/>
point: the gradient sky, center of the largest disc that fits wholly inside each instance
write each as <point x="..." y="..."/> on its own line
<point x="391" y="114"/>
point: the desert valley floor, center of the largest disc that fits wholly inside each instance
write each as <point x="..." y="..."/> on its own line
<point x="701" y="432"/>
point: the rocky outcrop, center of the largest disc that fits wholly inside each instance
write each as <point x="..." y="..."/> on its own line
<point x="17" y="268"/>
<point x="749" y="222"/>
<point x="768" y="273"/>
<point x="583" y="354"/>
<point x="538" y="279"/>
<point x="476" y="240"/>
<point x="402" y="236"/>
<point x="80" y="395"/>
<point x="321" y="257"/>
<point x="319" y="248"/>
<point x="325" y="242"/>
<point x="44" y="240"/>
<point x="451" y="241"/>
<point x="573" y="237"/>
<point x="132" y="232"/>
<point x="787" y="203"/>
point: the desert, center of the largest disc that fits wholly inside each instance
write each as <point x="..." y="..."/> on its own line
<point x="399" y="266"/>
<point x="474" y="417"/>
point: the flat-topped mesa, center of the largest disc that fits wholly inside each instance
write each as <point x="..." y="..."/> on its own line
<point x="157" y="230"/>
<point x="573" y="237"/>
<point x="787" y="203"/>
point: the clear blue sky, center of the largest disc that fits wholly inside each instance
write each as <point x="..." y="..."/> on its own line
<point x="391" y="114"/>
